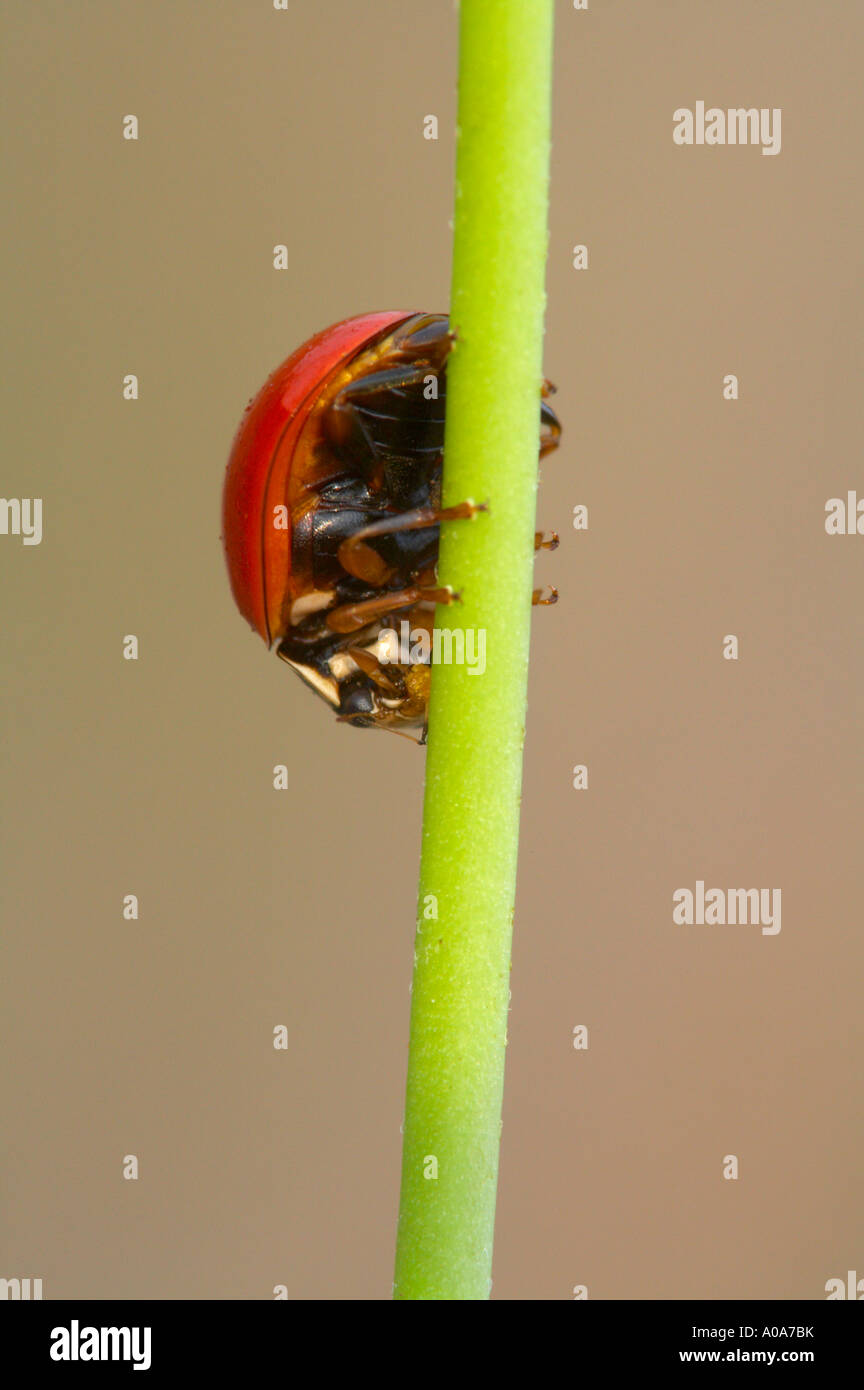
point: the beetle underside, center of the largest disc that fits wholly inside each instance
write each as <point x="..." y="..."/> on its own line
<point x="365" y="514"/>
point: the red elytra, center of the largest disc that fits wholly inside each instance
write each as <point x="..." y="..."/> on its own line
<point x="258" y="555"/>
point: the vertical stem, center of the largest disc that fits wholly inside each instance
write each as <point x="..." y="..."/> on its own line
<point x="476" y="728"/>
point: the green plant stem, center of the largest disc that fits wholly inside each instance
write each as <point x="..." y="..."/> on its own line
<point x="476" y="728"/>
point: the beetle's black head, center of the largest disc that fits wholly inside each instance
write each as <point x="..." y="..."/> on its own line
<point x="357" y="702"/>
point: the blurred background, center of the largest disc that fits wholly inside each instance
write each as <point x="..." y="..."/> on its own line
<point x="258" y="908"/>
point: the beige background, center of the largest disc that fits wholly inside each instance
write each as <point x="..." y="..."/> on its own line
<point x="260" y="908"/>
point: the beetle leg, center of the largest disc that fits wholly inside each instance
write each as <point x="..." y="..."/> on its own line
<point x="539" y="602"/>
<point x="426" y="335"/>
<point x="387" y="678"/>
<point x="363" y="562"/>
<point x="544" y="542"/>
<point x="550" y="429"/>
<point x="350" y="617"/>
<point x="547" y="388"/>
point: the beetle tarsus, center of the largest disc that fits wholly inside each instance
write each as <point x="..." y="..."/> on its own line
<point x="539" y="601"/>
<point x="550" y="429"/>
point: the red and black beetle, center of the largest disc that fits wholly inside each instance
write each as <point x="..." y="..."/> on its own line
<point x="331" y="508"/>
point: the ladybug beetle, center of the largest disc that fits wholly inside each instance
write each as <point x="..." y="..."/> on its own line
<point x="331" y="509"/>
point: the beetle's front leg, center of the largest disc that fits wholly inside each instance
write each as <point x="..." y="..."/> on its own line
<point x="388" y="679"/>
<point x="351" y="617"/>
